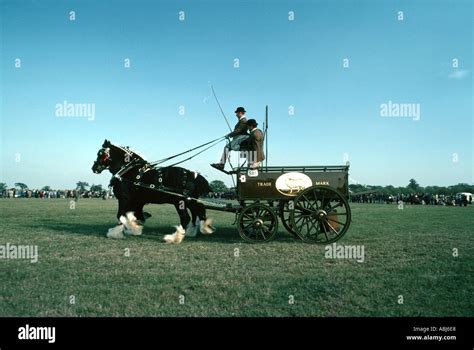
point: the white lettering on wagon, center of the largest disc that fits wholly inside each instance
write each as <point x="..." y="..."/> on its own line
<point x="326" y="183"/>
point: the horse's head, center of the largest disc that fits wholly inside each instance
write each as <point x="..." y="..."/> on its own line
<point x="113" y="157"/>
<point x="104" y="158"/>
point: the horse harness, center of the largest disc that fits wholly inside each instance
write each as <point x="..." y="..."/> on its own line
<point x="160" y="188"/>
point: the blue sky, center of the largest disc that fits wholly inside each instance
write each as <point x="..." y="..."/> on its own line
<point x="282" y="63"/>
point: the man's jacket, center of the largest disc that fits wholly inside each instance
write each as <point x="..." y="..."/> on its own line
<point x="240" y="128"/>
<point x="255" y="142"/>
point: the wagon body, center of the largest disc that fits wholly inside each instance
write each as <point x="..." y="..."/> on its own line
<point x="310" y="201"/>
<point x="286" y="182"/>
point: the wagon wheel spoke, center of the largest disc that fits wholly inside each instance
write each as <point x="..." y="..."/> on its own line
<point x="247" y="220"/>
<point x="337" y="212"/>
<point x="323" y="204"/>
<point x="321" y="224"/>
<point x="310" y="203"/>
<point x="261" y="231"/>
<point x="336" y="221"/>
<point x="339" y="204"/>
<point x="304" y="211"/>
<point x="256" y="213"/>
<point x="307" y="221"/>
<point x="325" y="233"/>
<point x="313" y="225"/>
<point x="307" y="225"/>
<point x="298" y="206"/>
<point x="248" y="216"/>
<point x="332" y="228"/>
<point x="267" y="227"/>
<point x="302" y="223"/>
<point x="301" y="209"/>
<point x="299" y="219"/>
<point x="314" y="234"/>
<point x="248" y="225"/>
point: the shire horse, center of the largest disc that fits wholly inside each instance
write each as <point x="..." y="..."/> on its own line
<point x="136" y="182"/>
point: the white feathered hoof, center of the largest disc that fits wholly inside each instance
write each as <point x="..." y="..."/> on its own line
<point x="131" y="226"/>
<point x="116" y="232"/>
<point x="137" y="230"/>
<point x="124" y="222"/>
<point x="176" y="237"/>
<point x="206" y="227"/>
<point x="191" y="230"/>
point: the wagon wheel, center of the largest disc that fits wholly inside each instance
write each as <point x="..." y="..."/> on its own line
<point x="257" y="223"/>
<point x="321" y="215"/>
<point x="284" y="212"/>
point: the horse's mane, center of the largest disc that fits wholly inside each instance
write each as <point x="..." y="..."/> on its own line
<point x="128" y="150"/>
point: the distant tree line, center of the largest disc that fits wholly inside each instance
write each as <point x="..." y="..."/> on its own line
<point x="413" y="187"/>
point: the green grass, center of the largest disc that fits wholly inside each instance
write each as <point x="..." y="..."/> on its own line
<point x="408" y="252"/>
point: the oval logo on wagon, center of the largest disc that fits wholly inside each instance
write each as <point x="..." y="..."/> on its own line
<point x="290" y="184"/>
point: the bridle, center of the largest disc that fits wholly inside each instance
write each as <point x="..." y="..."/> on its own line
<point x="105" y="157"/>
<point x="130" y="160"/>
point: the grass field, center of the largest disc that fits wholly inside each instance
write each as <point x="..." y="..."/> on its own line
<point x="408" y="253"/>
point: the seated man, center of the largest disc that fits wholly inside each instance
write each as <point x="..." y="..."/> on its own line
<point x="254" y="145"/>
<point x="238" y="136"/>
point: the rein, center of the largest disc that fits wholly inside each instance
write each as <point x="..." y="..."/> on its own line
<point x="189" y="150"/>
<point x="194" y="155"/>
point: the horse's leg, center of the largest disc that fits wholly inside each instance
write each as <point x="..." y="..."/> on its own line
<point x="121" y="209"/>
<point x="117" y="231"/>
<point x="134" y="211"/>
<point x="205" y="225"/>
<point x="141" y="215"/>
<point x="201" y="187"/>
<point x="139" y="212"/>
<point x="194" y="215"/>
<point x="122" y="192"/>
<point x="121" y="200"/>
<point x="184" y="218"/>
<point x="192" y="228"/>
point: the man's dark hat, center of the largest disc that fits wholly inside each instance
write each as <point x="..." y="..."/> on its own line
<point x="252" y="122"/>
<point x="240" y="109"/>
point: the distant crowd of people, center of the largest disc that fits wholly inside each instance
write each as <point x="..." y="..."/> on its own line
<point x="377" y="198"/>
<point x="413" y="198"/>
<point x="35" y="193"/>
